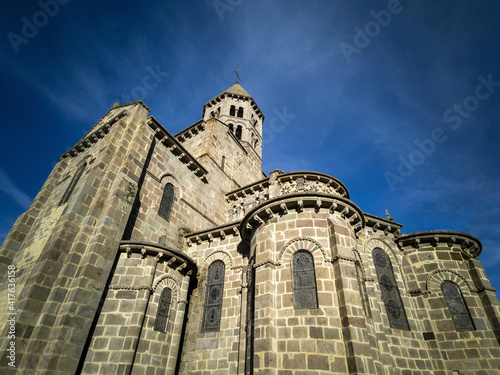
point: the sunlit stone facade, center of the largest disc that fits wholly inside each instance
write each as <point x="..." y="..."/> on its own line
<point x="151" y="253"/>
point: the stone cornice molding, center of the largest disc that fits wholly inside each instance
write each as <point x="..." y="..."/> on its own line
<point x="221" y="96"/>
<point x="97" y="132"/>
<point x="282" y="205"/>
<point x="174" y="146"/>
<point x="208" y="235"/>
<point x="469" y="245"/>
<point x="191" y="131"/>
<point x="324" y="178"/>
<point x="261" y="185"/>
<point x="385" y="225"/>
<point x="174" y="259"/>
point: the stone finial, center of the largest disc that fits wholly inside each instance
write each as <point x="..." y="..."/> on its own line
<point x="388" y="216"/>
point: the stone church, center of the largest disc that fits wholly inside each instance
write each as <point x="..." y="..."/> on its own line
<point x="148" y="253"/>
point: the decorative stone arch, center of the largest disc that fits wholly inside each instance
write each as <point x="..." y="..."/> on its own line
<point x="302" y="243"/>
<point x="217" y="255"/>
<point x="169" y="178"/>
<point x="166" y="281"/>
<point x="436" y="278"/>
<point x="391" y="249"/>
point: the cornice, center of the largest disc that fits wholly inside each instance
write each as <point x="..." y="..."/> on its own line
<point x="98" y="132"/>
<point x="385" y="225"/>
<point x="282" y="205"/>
<point x="191" y="131"/>
<point x="173" y="258"/>
<point x="208" y="235"/>
<point x="469" y="245"/>
<point x="178" y="150"/>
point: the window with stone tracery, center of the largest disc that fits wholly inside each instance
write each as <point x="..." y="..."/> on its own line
<point x="163" y="310"/>
<point x="305" y="294"/>
<point x="390" y="291"/>
<point x="457" y="306"/>
<point x="213" y="297"/>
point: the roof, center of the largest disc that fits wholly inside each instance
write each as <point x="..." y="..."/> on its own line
<point x="237" y="90"/>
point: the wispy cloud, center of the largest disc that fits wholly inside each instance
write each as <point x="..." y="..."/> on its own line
<point x="8" y="187"/>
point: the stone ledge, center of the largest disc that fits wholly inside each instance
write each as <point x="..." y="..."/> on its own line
<point x="282" y="205"/>
<point x="469" y="245"/>
<point x="174" y="146"/>
<point x="174" y="258"/>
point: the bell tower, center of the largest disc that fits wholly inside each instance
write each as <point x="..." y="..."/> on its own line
<point x="236" y="109"/>
<point x="227" y="141"/>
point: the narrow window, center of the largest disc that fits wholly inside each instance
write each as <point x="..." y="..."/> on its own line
<point x="232" y="111"/>
<point x="390" y="292"/>
<point x="457" y="306"/>
<point x="167" y="201"/>
<point x="213" y="298"/>
<point x="238" y="132"/>
<point x="163" y="310"/>
<point x="72" y="184"/>
<point x="231" y="127"/>
<point x="304" y="281"/>
<point x="223" y="163"/>
<point x="240" y="112"/>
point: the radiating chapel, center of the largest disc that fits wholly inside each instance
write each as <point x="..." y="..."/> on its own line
<point x="148" y="253"/>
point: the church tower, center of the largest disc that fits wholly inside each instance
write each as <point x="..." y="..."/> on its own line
<point x="229" y="137"/>
<point x="236" y="108"/>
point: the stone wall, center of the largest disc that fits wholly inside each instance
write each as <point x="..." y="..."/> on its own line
<point x="65" y="251"/>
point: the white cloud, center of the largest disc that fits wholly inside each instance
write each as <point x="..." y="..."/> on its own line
<point x="8" y="187"/>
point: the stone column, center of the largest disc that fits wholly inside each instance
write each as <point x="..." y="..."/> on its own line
<point x="358" y="352"/>
<point x="178" y="326"/>
<point x="265" y="347"/>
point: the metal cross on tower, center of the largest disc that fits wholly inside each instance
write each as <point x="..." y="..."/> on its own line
<point x="237" y="72"/>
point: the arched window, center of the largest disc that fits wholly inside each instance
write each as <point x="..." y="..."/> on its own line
<point x="304" y="281"/>
<point x="163" y="310"/>
<point x="232" y="111"/>
<point x="213" y="297"/>
<point x="231" y="127"/>
<point x="457" y="306"/>
<point x="238" y="132"/>
<point x="72" y="184"/>
<point x="240" y="112"/>
<point x="390" y="292"/>
<point x="167" y="200"/>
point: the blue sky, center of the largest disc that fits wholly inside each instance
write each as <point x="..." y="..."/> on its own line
<point x="357" y="89"/>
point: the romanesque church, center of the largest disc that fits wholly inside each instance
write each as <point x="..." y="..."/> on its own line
<point x="148" y="253"/>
